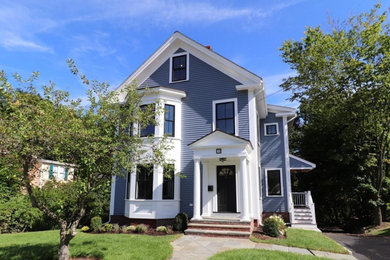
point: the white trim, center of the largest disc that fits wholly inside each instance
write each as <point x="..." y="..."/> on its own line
<point x="187" y="66"/>
<point x="301" y="168"/>
<point x="287" y="165"/>
<point x="313" y="165"/>
<point x="280" y="109"/>
<point x="57" y="163"/>
<point x="112" y="195"/>
<point x="265" y="129"/>
<point x="234" y="100"/>
<point x="281" y="182"/>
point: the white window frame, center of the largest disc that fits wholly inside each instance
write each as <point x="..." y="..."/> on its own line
<point x="281" y="182"/>
<point x="187" y="66"/>
<point x="215" y="102"/>
<point x="265" y="129"/>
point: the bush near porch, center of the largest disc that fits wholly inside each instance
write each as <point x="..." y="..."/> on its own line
<point x="305" y="239"/>
<point x="44" y="245"/>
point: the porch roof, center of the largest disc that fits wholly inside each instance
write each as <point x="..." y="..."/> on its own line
<point x="219" y="138"/>
<point x="300" y="165"/>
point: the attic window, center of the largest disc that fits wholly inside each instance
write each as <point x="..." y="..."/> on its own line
<point x="179" y="67"/>
<point x="271" y="129"/>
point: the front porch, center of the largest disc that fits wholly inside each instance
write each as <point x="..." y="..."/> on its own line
<point x="223" y="178"/>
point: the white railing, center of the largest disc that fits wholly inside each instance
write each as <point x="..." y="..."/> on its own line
<point x="304" y="199"/>
<point x="300" y="199"/>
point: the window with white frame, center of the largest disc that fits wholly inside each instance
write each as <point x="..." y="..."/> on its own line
<point x="169" y="182"/>
<point x="169" y="120"/>
<point x="274" y="182"/>
<point x="271" y="129"/>
<point x="144" y="187"/>
<point x="147" y="130"/>
<point x="179" y="64"/>
<point x="58" y="172"/>
<point x="225" y="116"/>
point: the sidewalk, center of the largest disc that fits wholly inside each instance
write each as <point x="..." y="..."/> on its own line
<point x="199" y="248"/>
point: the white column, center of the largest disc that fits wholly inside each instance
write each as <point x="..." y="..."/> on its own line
<point x="133" y="180"/>
<point x="205" y="203"/>
<point x="157" y="182"/>
<point x="196" y="215"/>
<point x="244" y="189"/>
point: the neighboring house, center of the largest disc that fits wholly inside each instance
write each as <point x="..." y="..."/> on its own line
<point x="45" y="170"/>
<point x="231" y="146"/>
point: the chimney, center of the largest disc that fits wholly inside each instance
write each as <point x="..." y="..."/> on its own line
<point x="209" y="47"/>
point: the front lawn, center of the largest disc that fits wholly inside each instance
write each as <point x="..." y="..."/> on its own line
<point x="44" y="245"/>
<point x="383" y="230"/>
<point x="245" y="254"/>
<point x="305" y="239"/>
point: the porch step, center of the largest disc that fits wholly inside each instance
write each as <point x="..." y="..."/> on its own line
<point x="223" y="233"/>
<point x="214" y="226"/>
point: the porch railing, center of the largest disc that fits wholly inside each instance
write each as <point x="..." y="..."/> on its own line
<point x="300" y="199"/>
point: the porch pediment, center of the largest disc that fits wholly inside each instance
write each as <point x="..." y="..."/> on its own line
<point x="229" y="145"/>
<point x="219" y="139"/>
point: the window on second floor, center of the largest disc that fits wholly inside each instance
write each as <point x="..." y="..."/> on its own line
<point x="224" y="118"/>
<point x="179" y="68"/>
<point x="149" y="129"/>
<point x="169" y="120"/>
<point x="271" y="129"/>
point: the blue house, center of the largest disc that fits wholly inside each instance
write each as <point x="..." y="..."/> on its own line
<point x="229" y="143"/>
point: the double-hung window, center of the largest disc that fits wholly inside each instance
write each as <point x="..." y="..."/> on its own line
<point x="169" y="122"/>
<point x="179" y="68"/>
<point x="144" y="188"/>
<point x="169" y="182"/>
<point x="225" y="117"/>
<point x="274" y="182"/>
<point x="147" y="130"/>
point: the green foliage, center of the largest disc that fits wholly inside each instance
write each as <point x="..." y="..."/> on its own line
<point x="85" y="229"/>
<point x="96" y="223"/>
<point x="132" y="228"/>
<point x="141" y="228"/>
<point x="343" y="88"/>
<point x="17" y="215"/>
<point x="271" y="227"/>
<point x="181" y="222"/>
<point x="124" y="229"/>
<point x="162" y="229"/>
<point x="116" y="227"/>
<point x="243" y="254"/>
<point x="108" y="227"/>
<point x="278" y="219"/>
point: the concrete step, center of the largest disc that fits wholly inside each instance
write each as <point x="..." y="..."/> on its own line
<point x="302" y="210"/>
<point x="219" y="233"/>
<point x="214" y="226"/>
<point x="303" y="218"/>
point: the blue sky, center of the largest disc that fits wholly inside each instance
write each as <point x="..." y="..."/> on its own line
<point x="109" y="39"/>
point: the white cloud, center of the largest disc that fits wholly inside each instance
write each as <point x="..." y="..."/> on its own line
<point x="11" y="41"/>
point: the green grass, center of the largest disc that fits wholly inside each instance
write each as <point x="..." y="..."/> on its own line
<point x="44" y="245"/>
<point x="306" y="239"/>
<point x="383" y="230"/>
<point x="245" y="254"/>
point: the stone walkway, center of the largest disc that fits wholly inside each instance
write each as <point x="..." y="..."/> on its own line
<point x="198" y="248"/>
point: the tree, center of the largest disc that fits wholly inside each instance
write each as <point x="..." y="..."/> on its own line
<point x="97" y="139"/>
<point x="343" y="85"/>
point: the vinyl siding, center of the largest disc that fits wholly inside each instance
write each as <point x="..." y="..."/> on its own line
<point x="120" y="193"/>
<point x="272" y="156"/>
<point x="205" y="84"/>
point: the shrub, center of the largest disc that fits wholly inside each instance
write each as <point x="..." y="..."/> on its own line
<point x="108" y="227"/>
<point x="96" y="223"/>
<point x="280" y="221"/>
<point x="132" y="228"/>
<point x="18" y="215"/>
<point x="181" y="222"/>
<point x="141" y="228"/>
<point x="101" y="230"/>
<point x="85" y="229"/>
<point x="124" y="229"/>
<point x="162" y="229"/>
<point x="116" y="227"/>
<point x="271" y="227"/>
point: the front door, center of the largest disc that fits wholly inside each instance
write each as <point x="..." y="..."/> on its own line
<point x="226" y="188"/>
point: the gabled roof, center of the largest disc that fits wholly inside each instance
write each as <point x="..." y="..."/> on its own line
<point x="219" y="139"/>
<point x="178" y="40"/>
<point x="298" y="164"/>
